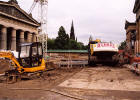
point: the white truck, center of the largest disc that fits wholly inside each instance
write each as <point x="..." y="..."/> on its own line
<point x="102" y="53"/>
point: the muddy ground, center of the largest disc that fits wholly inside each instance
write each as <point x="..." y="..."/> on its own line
<point x="36" y="89"/>
<point x="88" y="83"/>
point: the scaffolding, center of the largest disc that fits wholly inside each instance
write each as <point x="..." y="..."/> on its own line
<point x="42" y="19"/>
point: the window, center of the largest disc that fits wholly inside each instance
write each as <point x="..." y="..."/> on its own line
<point x="34" y="51"/>
<point x="40" y="50"/>
<point x="24" y="51"/>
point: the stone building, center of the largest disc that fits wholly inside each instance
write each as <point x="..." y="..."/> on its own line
<point x="16" y="26"/>
<point x="133" y="29"/>
<point x="136" y="11"/>
<point x="130" y="36"/>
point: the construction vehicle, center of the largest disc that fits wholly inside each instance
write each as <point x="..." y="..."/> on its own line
<point x="29" y="61"/>
<point x="102" y="52"/>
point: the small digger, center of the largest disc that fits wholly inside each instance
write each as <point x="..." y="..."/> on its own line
<point x="30" y="61"/>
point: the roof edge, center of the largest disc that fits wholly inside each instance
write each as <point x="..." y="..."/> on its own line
<point x="136" y="6"/>
<point x="21" y="10"/>
<point x="127" y="24"/>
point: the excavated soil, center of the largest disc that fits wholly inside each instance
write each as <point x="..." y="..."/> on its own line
<point x="88" y="83"/>
<point x="4" y="65"/>
<point x="38" y="88"/>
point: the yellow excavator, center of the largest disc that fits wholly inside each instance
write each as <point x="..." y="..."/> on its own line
<point x="29" y="61"/>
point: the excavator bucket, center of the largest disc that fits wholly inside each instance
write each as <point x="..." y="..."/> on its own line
<point x="4" y="65"/>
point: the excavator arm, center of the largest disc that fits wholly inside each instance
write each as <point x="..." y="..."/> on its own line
<point x="10" y="55"/>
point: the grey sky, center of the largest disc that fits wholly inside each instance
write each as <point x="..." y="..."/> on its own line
<point x="104" y="19"/>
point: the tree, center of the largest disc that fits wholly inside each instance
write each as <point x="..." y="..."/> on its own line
<point x="82" y="46"/>
<point x="51" y="44"/>
<point x="73" y="44"/>
<point x="62" y="41"/>
<point x="122" y="45"/>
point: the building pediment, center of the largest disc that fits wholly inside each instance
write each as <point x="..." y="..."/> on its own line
<point x="15" y="12"/>
<point x="136" y="6"/>
<point x="127" y="24"/>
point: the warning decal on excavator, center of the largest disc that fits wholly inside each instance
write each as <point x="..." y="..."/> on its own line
<point x="105" y="47"/>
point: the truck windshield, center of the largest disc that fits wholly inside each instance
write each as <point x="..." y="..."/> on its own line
<point x="24" y="51"/>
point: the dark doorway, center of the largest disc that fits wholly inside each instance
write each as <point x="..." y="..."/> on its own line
<point x="17" y="40"/>
<point x="9" y="38"/>
<point x="26" y="36"/>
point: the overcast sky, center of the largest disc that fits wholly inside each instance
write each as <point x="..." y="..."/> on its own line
<point x="103" y="19"/>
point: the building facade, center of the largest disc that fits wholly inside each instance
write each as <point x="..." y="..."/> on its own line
<point x="133" y="30"/>
<point x="130" y="36"/>
<point x="136" y="11"/>
<point x="16" y="26"/>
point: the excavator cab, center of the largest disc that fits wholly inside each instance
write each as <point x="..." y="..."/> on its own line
<point x="31" y="56"/>
<point x="29" y="62"/>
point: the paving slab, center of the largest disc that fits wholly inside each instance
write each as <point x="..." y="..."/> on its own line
<point x="104" y="78"/>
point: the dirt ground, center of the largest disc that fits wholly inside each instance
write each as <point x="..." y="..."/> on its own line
<point x="89" y="83"/>
<point x="38" y="88"/>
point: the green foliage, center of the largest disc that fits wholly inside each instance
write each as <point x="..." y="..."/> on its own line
<point x="73" y="44"/>
<point x="63" y="42"/>
<point x="82" y="46"/>
<point x="122" y="45"/>
<point x="51" y="44"/>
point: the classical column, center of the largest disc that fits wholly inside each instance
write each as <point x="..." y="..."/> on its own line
<point x="139" y="36"/>
<point x="138" y="46"/>
<point x="34" y="38"/>
<point x="22" y="37"/>
<point x="4" y="38"/>
<point x="135" y="48"/>
<point x="29" y="37"/>
<point x="13" y="44"/>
